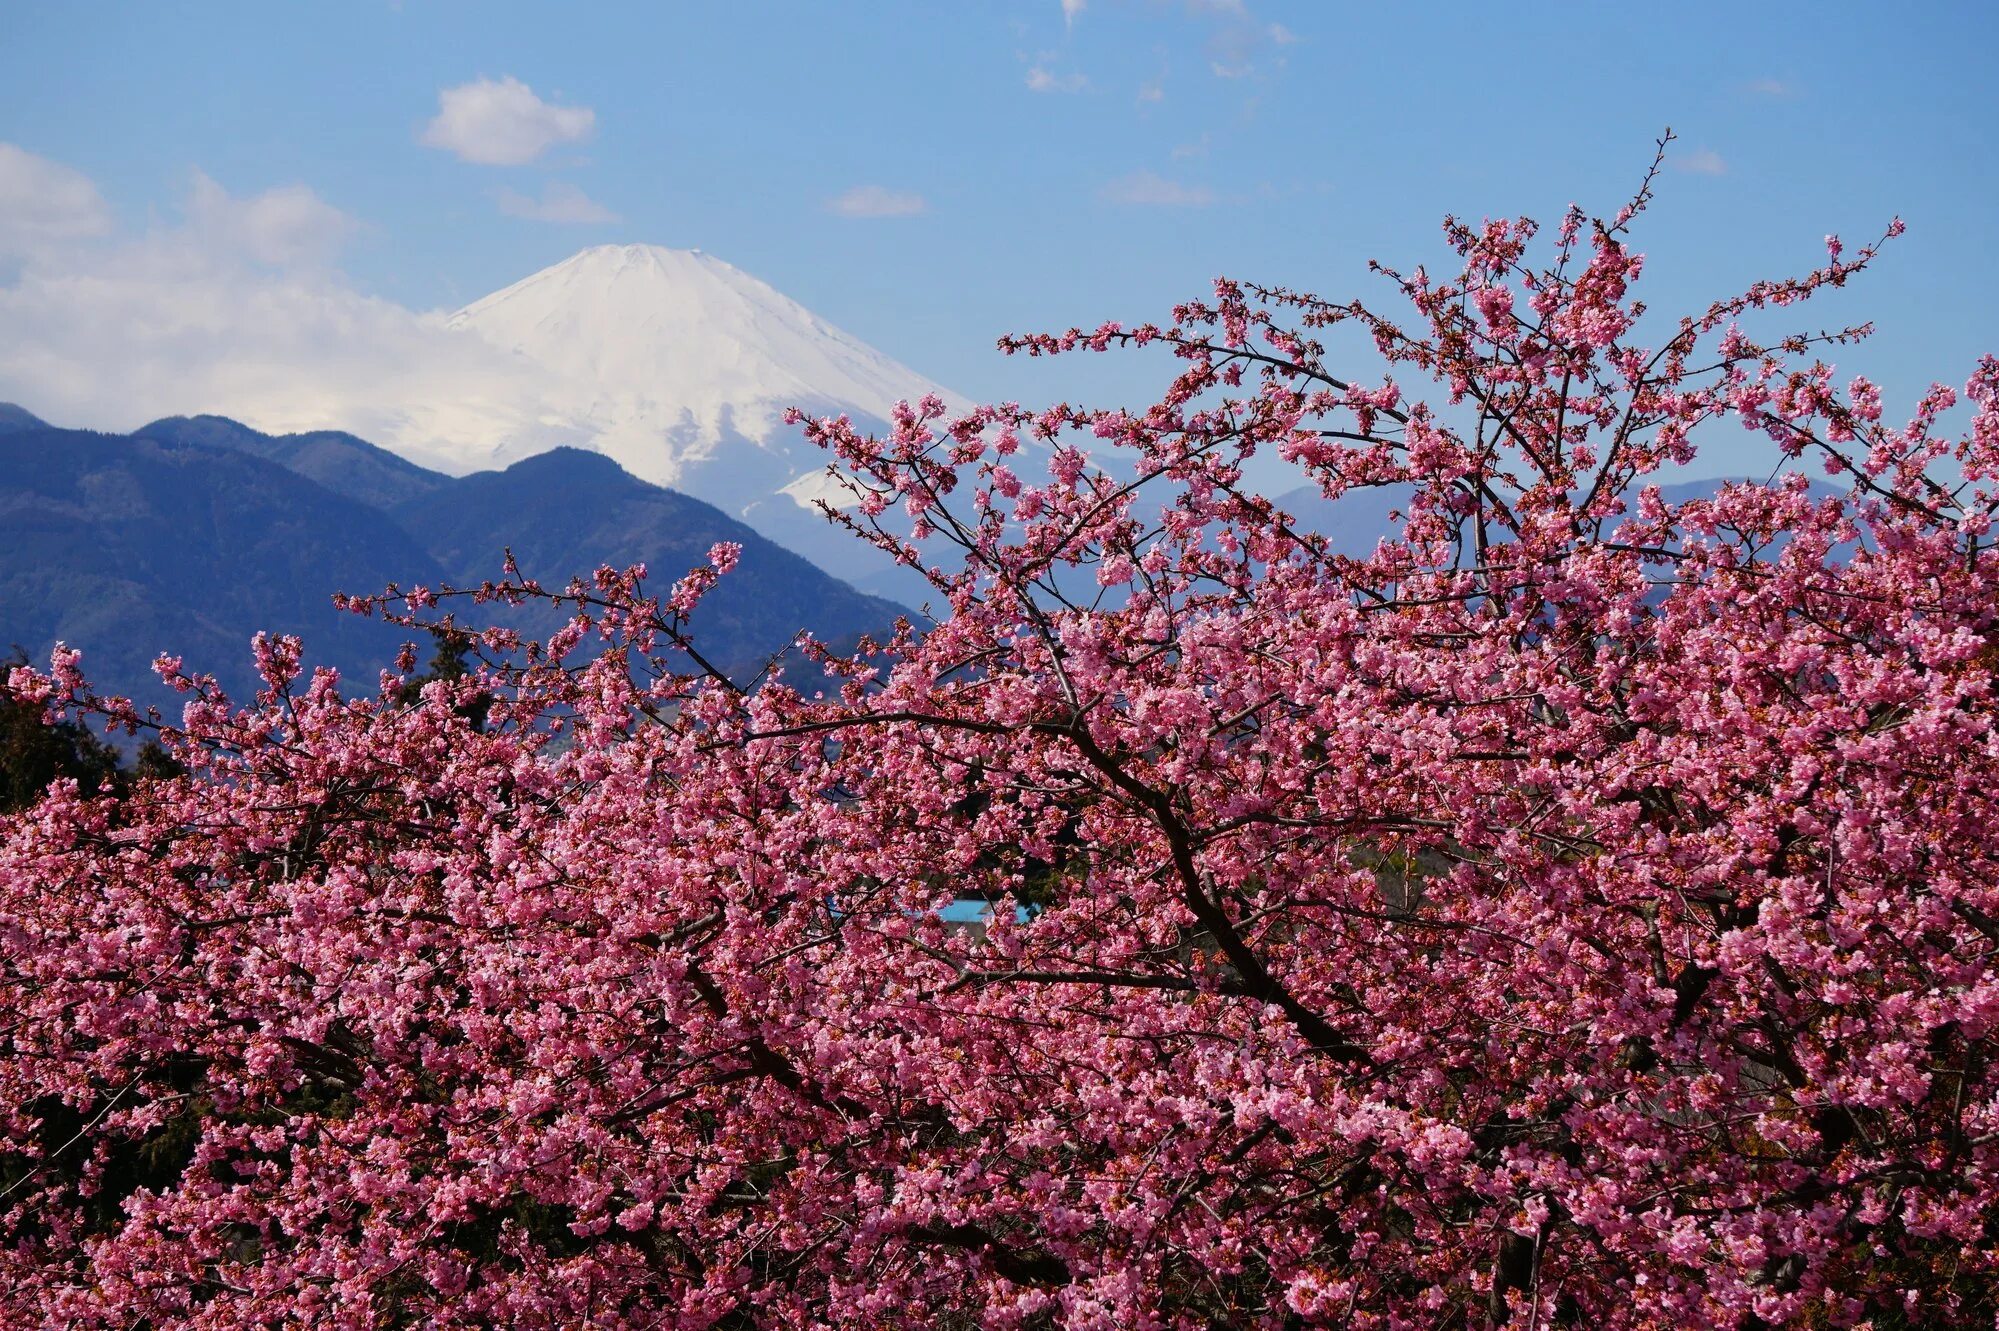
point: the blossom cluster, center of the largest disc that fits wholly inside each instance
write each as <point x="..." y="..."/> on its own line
<point x="1580" y="911"/>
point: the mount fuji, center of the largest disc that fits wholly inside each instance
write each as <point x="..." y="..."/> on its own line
<point x="679" y="367"/>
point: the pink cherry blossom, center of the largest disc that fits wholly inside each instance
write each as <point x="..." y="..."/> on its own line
<point x="1579" y="912"/>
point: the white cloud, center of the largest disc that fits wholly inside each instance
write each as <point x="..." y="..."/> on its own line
<point x="44" y="203"/>
<point x="1771" y="88"/>
<point x="1040" y="78"/>
<point x="1148" y="189"/>
<point x="876" y="201"/>
<point x="1239" y="44"/>
<point x="287" y="225"/>
<point x="1155" y="91"/>
<point x="1198" y="148"/>
<point x="501" y="122"/>
<point x="1233" y="50"/>
<point x="222" y="312"/>
<point x="558" y="203"/>
<point x="1071" y="8"/>
<point x="1701" y="162"/>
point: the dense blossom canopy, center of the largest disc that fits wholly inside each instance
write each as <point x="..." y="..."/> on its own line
<point x="1581" y="911"/>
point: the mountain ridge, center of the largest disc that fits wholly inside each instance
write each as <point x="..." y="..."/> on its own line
<point x="129" y="547"/>
<point x="192" y="533"/>
<point x="344" y="463"/>
<point x="14" y="419"/>
<point x="571" y="499"/>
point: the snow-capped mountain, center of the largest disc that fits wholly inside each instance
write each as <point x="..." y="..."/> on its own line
<point x="671" y="352"/>
<point x="680" y="366"/>
<point x="673" y="363"/>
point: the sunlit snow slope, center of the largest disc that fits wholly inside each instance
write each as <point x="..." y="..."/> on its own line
<point x="680" y="367"/>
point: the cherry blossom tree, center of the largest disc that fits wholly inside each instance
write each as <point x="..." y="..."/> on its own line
<point x="1580" y="911"/>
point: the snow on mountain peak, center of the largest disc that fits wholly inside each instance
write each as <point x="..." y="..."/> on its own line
<point x="680" y="366"/>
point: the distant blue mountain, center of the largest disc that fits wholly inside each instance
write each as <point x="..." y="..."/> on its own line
<point x="14" y="419"/>
<point x="130" y="547"/>
<point x="193" y="533"/>
<point x="339" y="461"/>
<point x="566" y="511"/>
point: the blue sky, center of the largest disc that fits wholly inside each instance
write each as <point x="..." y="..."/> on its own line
<point x="1017" y="165"/>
